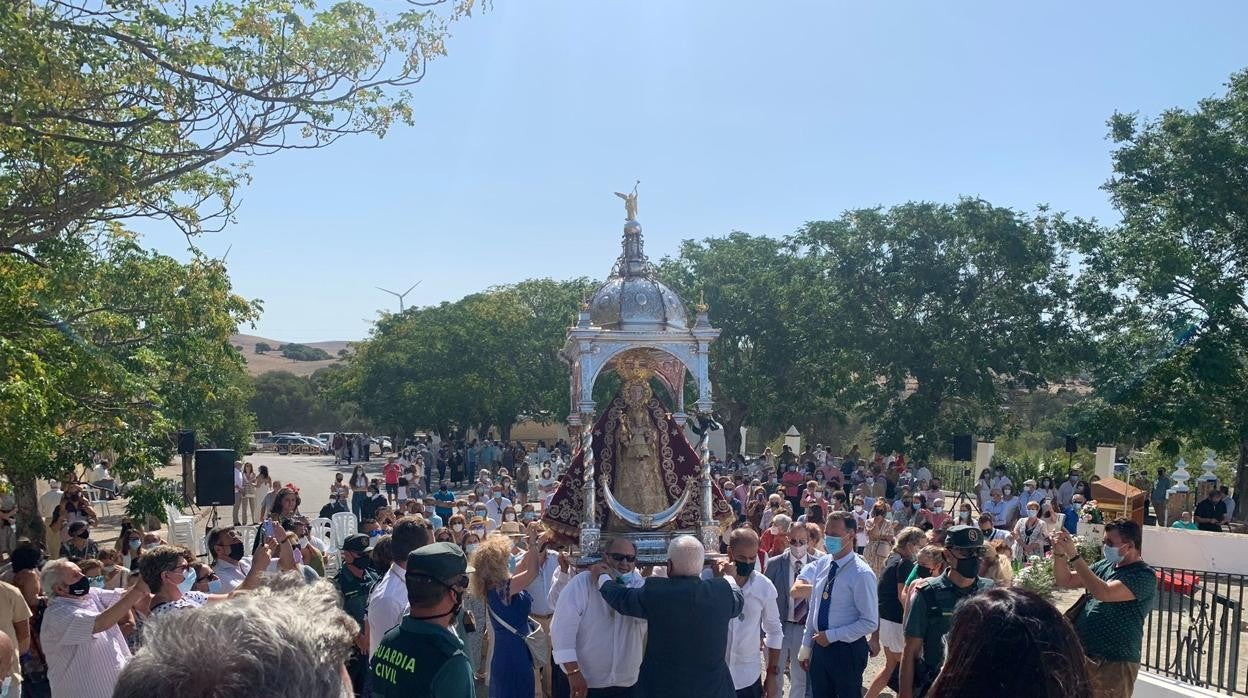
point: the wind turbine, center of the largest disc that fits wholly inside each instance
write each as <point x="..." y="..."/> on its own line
<point x="402" y="295"/>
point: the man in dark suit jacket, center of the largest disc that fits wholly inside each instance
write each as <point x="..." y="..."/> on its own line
<point x="782" y="570"/>
<point x="687" y="635"/>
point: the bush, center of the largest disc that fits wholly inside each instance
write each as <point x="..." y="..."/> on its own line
<point x="262" y="347"/>
<point x="300" y="352"/>
<point x="1038" y="576"/>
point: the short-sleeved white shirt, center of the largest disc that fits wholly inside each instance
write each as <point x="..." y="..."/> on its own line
<point x="81" y="662"/>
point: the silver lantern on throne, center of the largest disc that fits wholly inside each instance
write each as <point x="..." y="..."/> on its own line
<point x="635" y="479"/>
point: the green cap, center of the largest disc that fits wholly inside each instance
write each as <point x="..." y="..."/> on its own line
<point x="963" y="537"/>
<point x="441" y="561"/>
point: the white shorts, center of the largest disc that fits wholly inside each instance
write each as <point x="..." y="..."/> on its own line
<point x="892" y="636"/>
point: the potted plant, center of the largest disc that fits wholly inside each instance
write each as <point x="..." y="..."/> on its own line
<point x="147" y="501"/>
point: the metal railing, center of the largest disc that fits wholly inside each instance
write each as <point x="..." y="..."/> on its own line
<point x="1194" y="630"/>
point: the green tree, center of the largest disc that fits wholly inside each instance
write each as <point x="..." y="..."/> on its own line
<point x="113" y="110"/>
<point x="484" y="360"/>
<point x="110" y="350"/>
<point x="262" y="347"/>
<point x="939" y="310"/>
<point x="1166" y="292"/>
<point x="302" y="352"/>
<point x="764" y="371"/>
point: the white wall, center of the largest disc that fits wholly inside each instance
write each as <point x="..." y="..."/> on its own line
<point x="1196" y="550"/>
<point x="1154" y="686"/>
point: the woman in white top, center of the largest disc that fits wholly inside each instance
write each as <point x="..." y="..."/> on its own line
<point x="983" y="489"/>
<point x="1030" y="534"/>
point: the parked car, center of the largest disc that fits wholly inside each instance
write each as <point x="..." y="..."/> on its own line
<point x="304" y="445"/>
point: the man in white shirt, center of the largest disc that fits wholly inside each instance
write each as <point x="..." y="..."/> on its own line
<point x="50" y="499"/>
<point x="598" y="649"/>
<point x="1066" y="491"/>
<point x="239" y="485"/>
<point x="387" y="604"/>
<point x="749" y="678"/>
<point x="85" y="649"/>
<point x="783" y="571"/>
<point x="844" y="611"/>
<point x="231" y="563"/>
<point x="495" y="505"/>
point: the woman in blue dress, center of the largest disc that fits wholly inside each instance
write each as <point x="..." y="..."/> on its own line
<point x="511" y="670"/>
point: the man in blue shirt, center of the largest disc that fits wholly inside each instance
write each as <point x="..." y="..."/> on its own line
<point x="1070" y="516"/>
<point x="843" y="612"/>
<point x="446" y="497"/>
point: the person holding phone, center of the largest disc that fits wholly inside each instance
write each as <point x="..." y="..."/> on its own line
<point x="230" y="562"/>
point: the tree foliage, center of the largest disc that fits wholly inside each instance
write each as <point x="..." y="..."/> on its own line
<point x="282" y="402"/>
<point x="111" y="350"/>
<point x="112" y="110"/>
<point x="939" y="310"/>
<point x="765" y="371"/>
<point x="1166" y="292"/>
<point x="484" y="360"/>
<point x="302" y="352"/>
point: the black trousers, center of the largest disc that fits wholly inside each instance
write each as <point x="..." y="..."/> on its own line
<point x="559" y="687"/>
<point x="836" y="670"/>
<point x="754" y="690"/>
<point x="361" y="677"/>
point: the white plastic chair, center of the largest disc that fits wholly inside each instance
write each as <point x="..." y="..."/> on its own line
<point x="323" y="530"/>
<point x="98" y="504"/>
<point x="248" y="534"/>
<point x="344" y="524"/>
<point x="182" y="530"/>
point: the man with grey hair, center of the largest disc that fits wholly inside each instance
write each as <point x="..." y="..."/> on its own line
<point x="307" y="637"/>
<point x="687" y="617"/>
<point x="85" y="649"/>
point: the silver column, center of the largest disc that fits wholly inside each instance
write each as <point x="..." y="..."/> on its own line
<point x="710" y="529"/>
<point x="591" y="535"/>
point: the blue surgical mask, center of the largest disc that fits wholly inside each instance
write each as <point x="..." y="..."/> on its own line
<point x="833" y="544"/>
<point x="188" y="581"/>
<point x="97" y="582"/>
<point x="1114" y="555"/>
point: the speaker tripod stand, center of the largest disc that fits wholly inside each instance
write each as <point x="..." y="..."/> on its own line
<point x="963" y="495"/>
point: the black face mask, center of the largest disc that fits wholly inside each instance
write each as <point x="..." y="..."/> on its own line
<point x="80" y="587"/>
<point x="967" y="567"/>
<point x="362" y="563"/>
<point x="454" y="612"/>
<point x="442" y="487"/>
<point x="84" y="535"/>
<point x="744" y="568"/>
<point x="236" y="550"/>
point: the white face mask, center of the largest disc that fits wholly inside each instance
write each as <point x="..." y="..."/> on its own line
<point x="798" y="550"/>
<point x="458" y="527"/>
<point x="857" y="508"/>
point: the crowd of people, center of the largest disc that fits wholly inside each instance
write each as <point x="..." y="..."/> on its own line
<point x="459" y="592"/>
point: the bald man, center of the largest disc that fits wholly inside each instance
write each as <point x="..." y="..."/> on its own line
<point x="687" y="618"/>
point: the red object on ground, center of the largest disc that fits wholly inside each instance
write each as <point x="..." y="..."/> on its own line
<point x="1180" y="582"/>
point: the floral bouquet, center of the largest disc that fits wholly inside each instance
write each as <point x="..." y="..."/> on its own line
<point x="1091" y="513"/>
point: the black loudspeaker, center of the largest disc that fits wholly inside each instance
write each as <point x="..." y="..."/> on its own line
<point x="186" y="442"/>
<point x="1071" y="445"/>
<point x="962" y="448"/>
<point x="214" y="477"/>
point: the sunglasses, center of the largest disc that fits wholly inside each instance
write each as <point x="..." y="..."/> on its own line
<point x="621" y="557"/>
<point x="794" y="543"/>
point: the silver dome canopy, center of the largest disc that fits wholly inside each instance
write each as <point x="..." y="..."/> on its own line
<point x="633" y="298"/>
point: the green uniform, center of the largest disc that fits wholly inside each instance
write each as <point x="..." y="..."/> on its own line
<point x="421" y="660"/>
<point x="1114" y="631"/>
<point x="931" y="610"/>
<point x="355" y="591"/>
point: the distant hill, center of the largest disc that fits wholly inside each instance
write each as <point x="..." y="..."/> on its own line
<point x="274" y="361"/>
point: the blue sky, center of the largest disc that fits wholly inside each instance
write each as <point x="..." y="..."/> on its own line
<point x="734" y="115"/>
